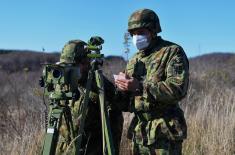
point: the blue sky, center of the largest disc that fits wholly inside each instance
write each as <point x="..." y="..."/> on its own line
<point x="199" y="26"/>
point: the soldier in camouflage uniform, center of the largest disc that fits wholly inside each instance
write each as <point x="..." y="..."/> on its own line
<point x="156" y="79"/>
<point x="73" y="52"/>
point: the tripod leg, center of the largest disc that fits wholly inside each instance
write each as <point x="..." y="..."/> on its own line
<point x="84" y="112"/>
<point x="52" y="133"/>
<point x="106" y="129"/>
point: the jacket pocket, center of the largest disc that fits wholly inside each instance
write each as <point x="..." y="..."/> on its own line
<point x="174" y="129"/>
<point x="146" y="133"/>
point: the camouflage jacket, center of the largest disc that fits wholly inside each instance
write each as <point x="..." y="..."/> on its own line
<point x="93" y="118"/>
<point x="92" y="138"/>
<point x="163" y="72"/>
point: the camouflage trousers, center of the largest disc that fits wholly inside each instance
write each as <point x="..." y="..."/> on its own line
<point x="160" y="147"/>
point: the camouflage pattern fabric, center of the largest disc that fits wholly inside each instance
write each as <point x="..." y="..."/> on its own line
<point x="144" y="18"/>
<point x="163" y="71"/>
<point x="73" y="51"/>
<point x="92" y="138"/>
<point x="161" y="147"/>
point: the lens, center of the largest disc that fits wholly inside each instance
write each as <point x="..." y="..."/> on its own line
<point x="56" y="73"/>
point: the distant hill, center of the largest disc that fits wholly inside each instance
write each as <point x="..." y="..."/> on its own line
<point x="214" y="60"/>
<point x="19" y="60"/>
<point x="16" y="60"/>
<point x="217" y="67"/>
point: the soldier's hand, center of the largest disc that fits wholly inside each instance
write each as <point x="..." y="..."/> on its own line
<point x="41" y="82"/>
<point x="127" y="83"/>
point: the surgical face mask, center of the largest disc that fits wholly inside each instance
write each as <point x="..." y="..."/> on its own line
<point x="140" y="41"/>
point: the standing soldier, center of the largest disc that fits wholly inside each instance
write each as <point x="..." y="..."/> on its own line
<point x="74" y="52"/>
<point x="156" y="79"/>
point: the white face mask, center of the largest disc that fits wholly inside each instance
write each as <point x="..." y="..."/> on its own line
<point x="140" y="41"/>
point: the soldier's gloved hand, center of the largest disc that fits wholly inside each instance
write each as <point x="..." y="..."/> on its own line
<point x="41" y="82"/>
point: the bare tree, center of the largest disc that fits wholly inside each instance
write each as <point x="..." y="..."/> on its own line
<point x="126" y="44"/>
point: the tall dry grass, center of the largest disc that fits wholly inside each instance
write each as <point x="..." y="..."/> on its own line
<point x="21" y="114"/>
<point x="211" y="125"/>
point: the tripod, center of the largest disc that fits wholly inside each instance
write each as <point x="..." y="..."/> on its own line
<point x="58" y="111"/>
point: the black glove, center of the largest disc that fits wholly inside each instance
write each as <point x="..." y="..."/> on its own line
<point x="41" y="82"/>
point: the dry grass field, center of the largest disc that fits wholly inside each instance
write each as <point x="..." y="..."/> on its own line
<point x="209" y="106"/>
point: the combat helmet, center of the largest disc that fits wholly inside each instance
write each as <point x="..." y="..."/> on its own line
<point x="73" y="51"/>
<point x="144" y="18"/>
